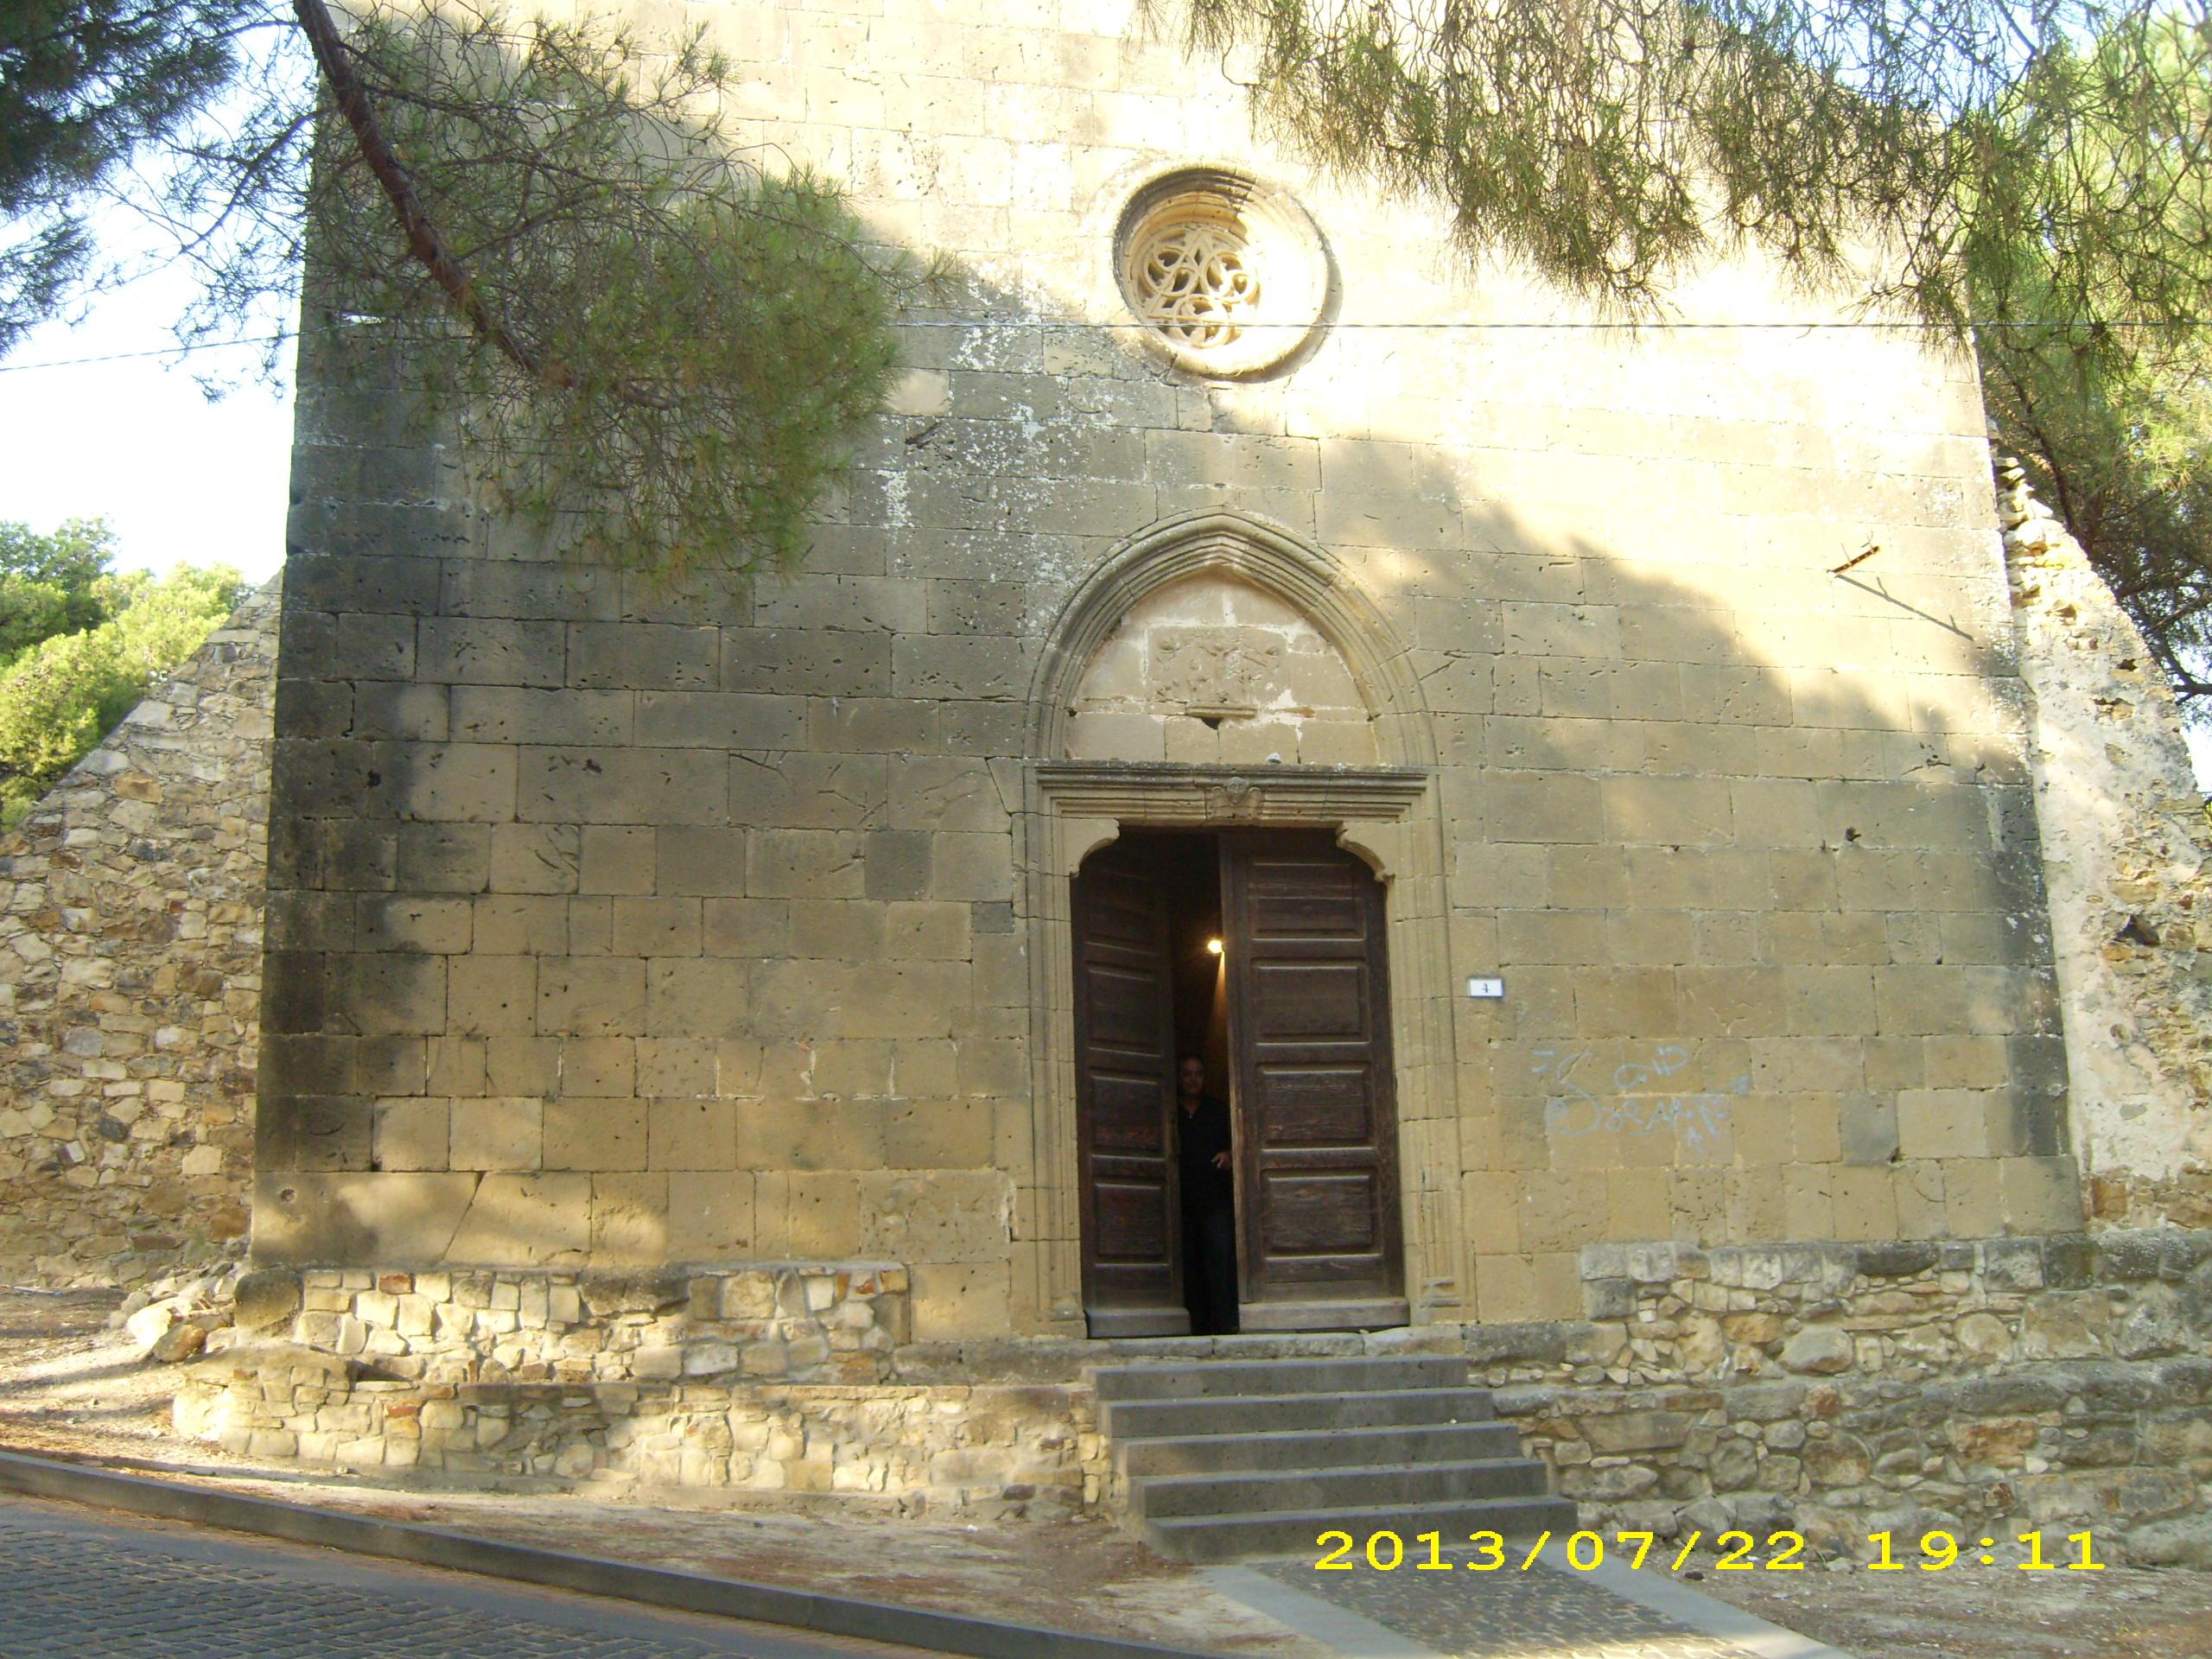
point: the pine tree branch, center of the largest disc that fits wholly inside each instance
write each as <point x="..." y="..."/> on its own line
<point x="423" y="243"/>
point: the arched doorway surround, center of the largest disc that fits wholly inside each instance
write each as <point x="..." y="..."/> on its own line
<point x="1388" y="815"/>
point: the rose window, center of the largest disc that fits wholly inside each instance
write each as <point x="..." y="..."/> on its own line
<point x="1231" y="275"/>
<point x="1197" y="282"/>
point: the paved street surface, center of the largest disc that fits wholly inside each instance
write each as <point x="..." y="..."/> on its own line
<point x="85" y="1584"/>
<point x="80" y="1583"/>
<point x="1537" y="1614"/>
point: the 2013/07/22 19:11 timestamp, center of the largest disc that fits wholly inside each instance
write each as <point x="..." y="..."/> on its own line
<point x="1386" y="1552"/>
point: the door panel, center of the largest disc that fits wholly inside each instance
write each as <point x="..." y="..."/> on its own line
<point x="1318" y="1106"/>
<point x="1310" y="1032"/>
<point x="1125" y="1064"/>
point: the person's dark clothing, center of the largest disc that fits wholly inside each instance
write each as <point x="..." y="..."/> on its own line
<point x="1209" y="1206"/>
<point x="1209" y="1269"/>
<point x="1198" y="1136"/>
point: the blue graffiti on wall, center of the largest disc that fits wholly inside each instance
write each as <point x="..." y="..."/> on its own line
<point x="1637" y="1100"/>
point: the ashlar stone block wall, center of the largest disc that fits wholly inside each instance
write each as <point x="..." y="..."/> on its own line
<point x="618" y="923"/>
<point x="130" y="955"/>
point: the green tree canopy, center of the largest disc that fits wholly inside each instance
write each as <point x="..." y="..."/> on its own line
<point x="85" y="85"/>
<point x="2115" y="422"/>
<point x="51" y="584"/>
<point x="83" y="644"/>
<point x="1959" y="156"/>
<point x="2042" y="174"/>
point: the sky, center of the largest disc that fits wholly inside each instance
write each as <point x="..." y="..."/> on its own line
<point x="179" y="477"/>
<point x="136" y="442"/>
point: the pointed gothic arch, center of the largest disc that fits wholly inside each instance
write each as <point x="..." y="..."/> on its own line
<point x="1388" y="815"/>
<point x="1263" y="555"/>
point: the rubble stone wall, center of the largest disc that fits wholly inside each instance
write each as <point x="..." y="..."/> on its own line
<point x="826" y="1322"/>
<point x="994" y="1448"/>
<point x="130" y="913"/>
<point x="771" y="1378"/>
<point x="2127" y="863"/>
<point x="1984" y="1387"/>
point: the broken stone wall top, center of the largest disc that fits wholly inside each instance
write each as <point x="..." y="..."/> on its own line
<point x="130" y="909"/>
<point x="2127" y="858"/>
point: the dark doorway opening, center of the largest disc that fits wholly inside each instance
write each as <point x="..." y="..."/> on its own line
<point x="1261" y="953"/>
<point x="1187" y="867"/>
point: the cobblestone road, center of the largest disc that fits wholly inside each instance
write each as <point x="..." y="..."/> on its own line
<point x="82" y="1584"/>
<point x="1537" y="1614"/>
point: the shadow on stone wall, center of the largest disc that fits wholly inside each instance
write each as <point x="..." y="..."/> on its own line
<point x="1753" y="841"/>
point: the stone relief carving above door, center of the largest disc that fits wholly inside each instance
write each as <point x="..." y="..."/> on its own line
<point x="1212" y="669"/>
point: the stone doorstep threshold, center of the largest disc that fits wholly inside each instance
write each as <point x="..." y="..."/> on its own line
<point x="591" y="1575"/>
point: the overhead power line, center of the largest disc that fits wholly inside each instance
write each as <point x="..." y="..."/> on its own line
<point x="1008" y="325"/>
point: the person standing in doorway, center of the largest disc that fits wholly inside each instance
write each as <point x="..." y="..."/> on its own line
<point x="1209" y="1189"/>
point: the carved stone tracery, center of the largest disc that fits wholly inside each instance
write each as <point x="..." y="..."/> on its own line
<point x="1196" y="278"/>
<point x="1231" y="275"/>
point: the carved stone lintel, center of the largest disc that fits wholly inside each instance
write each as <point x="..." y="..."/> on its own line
<point x="1237" y="801"/>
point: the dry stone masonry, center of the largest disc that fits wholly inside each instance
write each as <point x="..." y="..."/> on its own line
<point x="2127" y="855"/>
<point x="770" y="1379"/>
<point x="131" y="909"/>
<point x="1984" y="1387"/>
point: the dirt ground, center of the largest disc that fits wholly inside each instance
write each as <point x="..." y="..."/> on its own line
<point x="70" y="1387"/>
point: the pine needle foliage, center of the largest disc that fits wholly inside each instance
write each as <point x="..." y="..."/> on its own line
<point x="1972" y="143"/>
<point x="2114" y="422"/>
<point x="653" y="343"/>
<point x="2035" y="176"/>
<point x="636" y="330"/>
<point x="85" y="85"/>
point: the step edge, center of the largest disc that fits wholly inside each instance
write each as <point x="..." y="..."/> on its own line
<point x="1235" y="1444"/>
<point x="1485" y="1426"/>
<point x="1485" y="1395"/>
<point x="1350" y="1469"/>
<point x="1527" y="1501"/>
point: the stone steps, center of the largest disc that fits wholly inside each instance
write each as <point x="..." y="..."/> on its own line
<point x="1152" y="1420"/>
<point x="1228" y="1459"/>
<point x="1315" y="1448"/>
<point x="1213" y="1379"/>
<point x="1252" y="1491"/>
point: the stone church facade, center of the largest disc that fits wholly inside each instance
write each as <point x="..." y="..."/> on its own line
<point x="1603" y="757"/>
<point x="613" y="927"/>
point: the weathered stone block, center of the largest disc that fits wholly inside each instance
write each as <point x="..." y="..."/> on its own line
<point x="642" y="655"/>
<point x="525" y="1220"/>
<point x="503" y="1134"/>
<point x="410" y="1133"/>
<point x="398" y="1218"/>
<point x="591" y="996"/>
<point x="610" y="785"/>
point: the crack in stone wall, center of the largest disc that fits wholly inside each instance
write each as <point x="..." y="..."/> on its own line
<point x="130" y="933"/>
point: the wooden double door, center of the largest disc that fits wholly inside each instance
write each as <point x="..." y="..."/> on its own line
<point x="1303" y="974"/>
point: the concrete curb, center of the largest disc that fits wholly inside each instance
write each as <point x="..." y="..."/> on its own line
<point x="591" y="1575"/>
